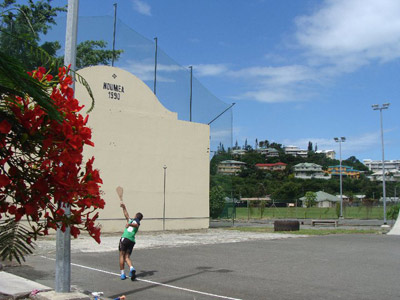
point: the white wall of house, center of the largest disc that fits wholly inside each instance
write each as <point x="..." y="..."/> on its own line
<point x="135" y="137"/>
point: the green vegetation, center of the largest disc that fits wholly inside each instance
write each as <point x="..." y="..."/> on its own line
<point x="308" y="231"/>
<point x="283" y="187"/>
<point x="217" y="201"/>
<point x="360" y="212"/>
<point x="22" y="26"/>
<point x="393" y="212"/>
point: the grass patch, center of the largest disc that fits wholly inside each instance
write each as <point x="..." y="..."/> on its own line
<point x="327" y="231"/>
<point x="361" y="212"/>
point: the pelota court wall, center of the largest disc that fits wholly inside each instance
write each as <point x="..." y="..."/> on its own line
<point x="135" y="137"/>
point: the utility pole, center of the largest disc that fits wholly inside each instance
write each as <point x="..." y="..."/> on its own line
<point x="380" y="108"/>
<point x="155" y="66"/>
<point x="115" y="26"/>
<point x="63" y="239"/>
<point x="191" y="87"/>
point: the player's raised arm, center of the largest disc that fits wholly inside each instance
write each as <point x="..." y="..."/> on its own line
<point x="125" y="211"/>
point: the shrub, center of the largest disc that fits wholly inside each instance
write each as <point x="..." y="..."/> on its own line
<point x="393" y="212"/>
<point x="217" y="201"/>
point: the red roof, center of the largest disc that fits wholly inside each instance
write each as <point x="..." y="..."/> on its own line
<point x="271" y="165"/>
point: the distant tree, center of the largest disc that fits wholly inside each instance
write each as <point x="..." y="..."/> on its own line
<point x="316" y="147"/>
<point x="261" y="144"/>
<point x="355" y="163"/>
<point x="276" y="146"/>
<point x="256" y="144"/>
<point x="311" y="198"/>
<point x="245" y="145"/>
<point x="289" y="191"/>
<point x="310" y="147"/>
<point x="22" y="26"/>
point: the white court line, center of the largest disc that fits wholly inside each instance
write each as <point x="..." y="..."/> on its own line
<point x="152" y="282"/>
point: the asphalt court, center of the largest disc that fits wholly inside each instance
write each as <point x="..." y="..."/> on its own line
<point x="325" y="267"/>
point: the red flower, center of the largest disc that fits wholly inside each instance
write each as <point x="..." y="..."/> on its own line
<point x="4" y="180"/>
<point x="75" y="231"/>
<point x="5" y="127"/>
<point x="60" y="212"/>
<point x="48" y="167"/>
<point x="30" y="209"/>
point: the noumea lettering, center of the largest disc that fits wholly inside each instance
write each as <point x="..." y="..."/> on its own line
<point x="113" y="87"/>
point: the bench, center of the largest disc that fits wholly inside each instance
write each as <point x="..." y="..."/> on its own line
<point x="313" y="222"/>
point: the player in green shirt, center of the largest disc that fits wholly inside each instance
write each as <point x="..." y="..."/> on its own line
<point x="127" y="242"/>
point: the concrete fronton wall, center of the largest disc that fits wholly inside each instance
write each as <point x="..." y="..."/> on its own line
<point x="144" y="148"/>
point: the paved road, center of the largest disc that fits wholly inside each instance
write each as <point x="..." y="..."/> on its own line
<point x="321" y="267"/>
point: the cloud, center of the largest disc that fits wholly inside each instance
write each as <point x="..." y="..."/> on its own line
<point x="145" y="70"/>
<point x="277" y="75"/>
<point x="353" y="144"/>
<point x="339" y="36"/>
<point x="351" y="33"/>
<point x="276" y="84"/>
<point x="141" y="7"/>
<point x="267" y="96"/>
<point x="210" y="69"/>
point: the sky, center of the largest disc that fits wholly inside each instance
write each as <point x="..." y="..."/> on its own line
<point x="298" y="71"/>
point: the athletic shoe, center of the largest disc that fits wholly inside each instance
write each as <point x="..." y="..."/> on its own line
<point x="132" y="274"/>
<point x="123" y="276"/>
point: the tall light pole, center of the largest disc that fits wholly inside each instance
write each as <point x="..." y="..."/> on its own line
<point x="340" y="141"/>
<point x="380" y="108"/>
<point x="165" y="184"/>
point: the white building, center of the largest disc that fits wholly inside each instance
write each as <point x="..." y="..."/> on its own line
<point x="309" y="171"/>
<point x="295" y="151"/>
<point x="389" y="176"/>
<point x="322" y="199"/>
<point x="328" y="153"/>
<point x="268" y="152"/>
<point x="230" y="167"/>
<point x="376" y="165"/>
<point x="239" y="152"/>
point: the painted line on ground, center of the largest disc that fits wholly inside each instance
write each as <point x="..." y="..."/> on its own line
<point x="151" y="282"/>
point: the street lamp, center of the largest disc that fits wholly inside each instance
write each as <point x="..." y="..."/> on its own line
<point x="380" y="108"/>
<point x="340" y="141"/>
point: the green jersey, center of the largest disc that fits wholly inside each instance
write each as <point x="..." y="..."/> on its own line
<point x="131" y="231"/>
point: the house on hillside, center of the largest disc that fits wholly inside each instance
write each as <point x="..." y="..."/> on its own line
<point x="389" y="176"/>
<point x="328" y="153"/>
<point x="279" y="166"/>
<point x="268" y="152"/>
<point x="238" y="152"/>
<point x="310" y="171"/>
<point x="346" y="171"/>
<point x="230" y="167"/>
<point x="271" y="152"/>
<point x="323" y="199"/>
<point x="295" y="151"/>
